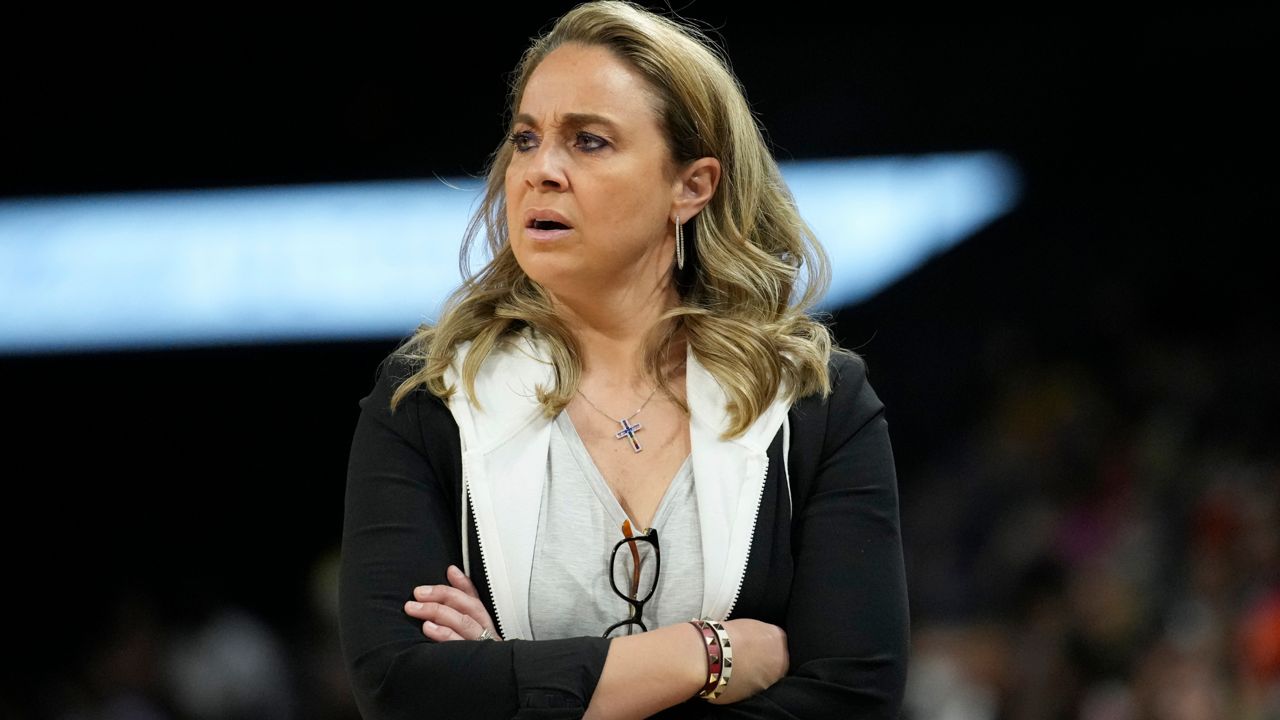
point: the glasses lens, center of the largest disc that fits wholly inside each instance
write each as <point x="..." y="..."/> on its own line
<point x="635" y="569"/>
<point x="624" y="629"/>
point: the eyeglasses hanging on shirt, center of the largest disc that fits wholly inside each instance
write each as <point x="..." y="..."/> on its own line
<point x="633" y="574"/>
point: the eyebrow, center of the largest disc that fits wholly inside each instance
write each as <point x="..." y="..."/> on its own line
<point x="572" y="119"/>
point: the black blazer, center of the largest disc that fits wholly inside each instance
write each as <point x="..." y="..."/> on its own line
<point x="825" y="564"/>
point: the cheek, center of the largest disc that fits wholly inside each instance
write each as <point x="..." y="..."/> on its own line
<point x="513" y="201"/>
<point x="644" y="214"/>
<point x="630" y="200"/>
<point x="510" y="189"/>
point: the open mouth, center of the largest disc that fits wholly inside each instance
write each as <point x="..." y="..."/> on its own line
<point x="548" y="225"/>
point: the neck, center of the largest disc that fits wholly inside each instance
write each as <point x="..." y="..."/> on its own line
<point x="610" y="327"/>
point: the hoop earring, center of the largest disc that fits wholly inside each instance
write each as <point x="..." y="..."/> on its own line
<point x="679" y="244"/>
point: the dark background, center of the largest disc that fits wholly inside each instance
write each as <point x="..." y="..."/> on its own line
<point x="1102" y="358"/>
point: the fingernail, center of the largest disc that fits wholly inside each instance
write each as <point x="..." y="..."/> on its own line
<point x="415" y="605"/>
<point x="454" y="569"/>
<point x="423" y="590"/>
<point x="431" y="625"/>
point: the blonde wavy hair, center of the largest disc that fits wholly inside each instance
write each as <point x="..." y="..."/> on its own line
<point x="744" y="250"/>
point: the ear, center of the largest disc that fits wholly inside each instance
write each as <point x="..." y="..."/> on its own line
<point x="694" y="185"/>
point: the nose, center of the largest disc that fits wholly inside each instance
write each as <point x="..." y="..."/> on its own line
<point x="544" y="167"/>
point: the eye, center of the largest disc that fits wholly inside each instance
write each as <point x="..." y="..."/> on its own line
<point x="517" y="140"/>
<point x="589" y="138"/>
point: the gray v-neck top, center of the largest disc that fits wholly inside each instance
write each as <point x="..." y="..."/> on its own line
<point x="579" y="523"/>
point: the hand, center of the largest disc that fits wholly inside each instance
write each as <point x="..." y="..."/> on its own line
<point x="451" y="612"/>
<point x="760" y="658"/>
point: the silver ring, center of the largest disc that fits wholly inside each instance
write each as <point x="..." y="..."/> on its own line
<point x="485" y="635"/>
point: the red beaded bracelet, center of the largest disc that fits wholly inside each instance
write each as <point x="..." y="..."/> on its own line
<point x="719" y="657"/>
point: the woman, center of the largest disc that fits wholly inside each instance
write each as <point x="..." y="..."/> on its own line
<point x="625" y="422"/>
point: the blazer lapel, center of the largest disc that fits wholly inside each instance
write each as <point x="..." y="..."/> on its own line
<point x="729" y="478"/>
<point x="505" y="441"/>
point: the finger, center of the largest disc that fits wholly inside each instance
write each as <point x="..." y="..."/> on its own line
<point x="439" y="633"/>
<point x="461" y="623"/>
<point x="456" y="599"/>
<point x="459" y="580"/>
<point x="452" y="625"/>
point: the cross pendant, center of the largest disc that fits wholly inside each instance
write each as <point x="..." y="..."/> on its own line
<point x="628" y="432"/>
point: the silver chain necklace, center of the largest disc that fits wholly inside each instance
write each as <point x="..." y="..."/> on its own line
<point x="628" y="431"/>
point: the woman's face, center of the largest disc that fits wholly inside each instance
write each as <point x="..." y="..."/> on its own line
<point x="588" y="148"/>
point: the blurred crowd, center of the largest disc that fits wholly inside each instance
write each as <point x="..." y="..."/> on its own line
<point x="222" y="661"/>
<point x="1104" y="542"/>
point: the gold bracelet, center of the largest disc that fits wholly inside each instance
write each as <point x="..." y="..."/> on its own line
<point x="726" y="659"/>
<point x="719" y="657"/>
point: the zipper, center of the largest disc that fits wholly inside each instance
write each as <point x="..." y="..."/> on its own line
<point x="484" y="559"/>
<point x="742" y="576"/>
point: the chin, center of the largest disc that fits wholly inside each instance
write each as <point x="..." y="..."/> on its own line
<point x="549" y="272"/>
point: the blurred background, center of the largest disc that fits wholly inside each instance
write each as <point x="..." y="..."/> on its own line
<point x="1080" y="372"/>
